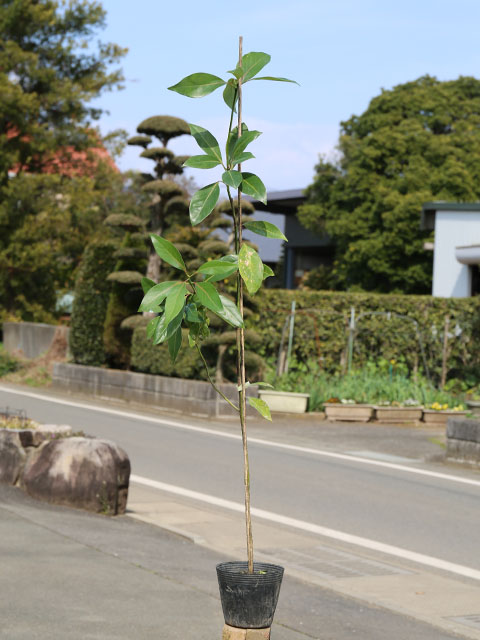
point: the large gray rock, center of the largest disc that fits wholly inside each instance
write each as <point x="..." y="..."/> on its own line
<point x="80" y="472"/>
<point x="12" y="456"/>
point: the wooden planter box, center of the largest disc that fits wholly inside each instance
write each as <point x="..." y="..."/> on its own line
<point x="348" y="412"/>
<point x="285" y="401"/>
<point x="435" y="418"/>
<point x="398" y="415"/>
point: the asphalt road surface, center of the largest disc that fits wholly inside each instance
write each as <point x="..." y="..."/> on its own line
<point x="425" y="514"/>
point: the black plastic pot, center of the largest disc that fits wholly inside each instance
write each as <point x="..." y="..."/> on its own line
<point x="249" y="600"/>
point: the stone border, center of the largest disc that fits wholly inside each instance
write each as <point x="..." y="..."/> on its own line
<point x="194" y="397"/>
<point x="463" y="440"/>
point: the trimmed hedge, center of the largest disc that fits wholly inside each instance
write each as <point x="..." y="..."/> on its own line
<point x="326" y="315"/>
<point x="322" y="329"/>
<point x="92" y="291"/>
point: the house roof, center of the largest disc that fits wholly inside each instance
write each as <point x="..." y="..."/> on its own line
<point x="427" y="220"/>
<point x="443" y="205"/>
<point x="285" y="202"/>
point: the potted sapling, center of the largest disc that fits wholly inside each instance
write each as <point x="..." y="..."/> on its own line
<point x="249" y="590"/>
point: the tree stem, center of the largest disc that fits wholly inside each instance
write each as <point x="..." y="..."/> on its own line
<point x="241" y="345"/>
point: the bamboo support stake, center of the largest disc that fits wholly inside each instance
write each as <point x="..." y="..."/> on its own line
<point x="241" y="346"/>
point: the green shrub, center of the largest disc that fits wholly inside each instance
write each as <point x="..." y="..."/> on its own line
<point x="90" y="304"/>
<point x="322" y="320"/>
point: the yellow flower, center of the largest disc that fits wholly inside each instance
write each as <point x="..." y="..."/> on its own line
<point x="392" y="361"/>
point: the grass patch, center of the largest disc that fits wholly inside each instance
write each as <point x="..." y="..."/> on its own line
<point x="34" y="373"/>
<point x="438" y="442"/>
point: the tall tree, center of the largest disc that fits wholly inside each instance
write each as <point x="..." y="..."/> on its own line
<point x="48" y="78"/>
<point x="53" y="190"/>
<point x="415" y="143"/>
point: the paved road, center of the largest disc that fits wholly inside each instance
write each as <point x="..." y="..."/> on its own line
<point x="424" y="514"/>
<point x="70" y="575"/>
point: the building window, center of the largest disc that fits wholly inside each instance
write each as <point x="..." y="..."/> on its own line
<point x="475" y="279"/>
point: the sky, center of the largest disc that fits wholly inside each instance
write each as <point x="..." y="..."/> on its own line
<point x="341" y="52"/>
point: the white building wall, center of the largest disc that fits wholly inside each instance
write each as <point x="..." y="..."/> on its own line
<point x="451" y="279"/>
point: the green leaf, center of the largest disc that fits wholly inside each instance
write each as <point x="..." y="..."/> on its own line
<point x="206" y="141"/>
<point x="208" y="296"/>
<point x="230" y="313"/>
<point x="251" y="268"/>
<point x="201" y="162"/>
<point x="245" y="139"/>
<point x="264" y="385"/>
<point x="230" y="258"/>
<point x="147" y="284"/>
<point x="164" y="330"/>
<point x="276" y="79"/>
<point x="237" y="72"/>
<point x="160" y="334"/>
<point x="192" y="313"/>
<point x="232" y="178"/>
<point x="243" y="157"/>
<point x="174" y="344"/>
<point x="266" y="229"/>
<point x="220" y="269"/>
<point x="157" y="294"/>
<point x="197" y="85"/>
<point x="230" y="94"/>
<point x="253" y="186"/>
<point x="152" y="327"/>
<point x="168" y="252"/>
<point x="267" y="272"/>
<point x="232" y="140"/>
<point x="261" y="406"/>
<point x="252" y="63"/>
<point x="175" y="301"/>
<point x="174" y="324"/>
<point x="203" y="203"/>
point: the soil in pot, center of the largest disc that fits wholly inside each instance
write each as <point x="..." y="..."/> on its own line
<point x="249" y="600"/>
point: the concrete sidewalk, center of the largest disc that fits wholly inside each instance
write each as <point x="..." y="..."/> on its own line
<point x="67" y="574"/>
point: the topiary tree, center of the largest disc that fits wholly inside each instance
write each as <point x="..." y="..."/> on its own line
<point x="126" y="292"/>
<point x="92" y="291"/>
<point x="168" y="199"/>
